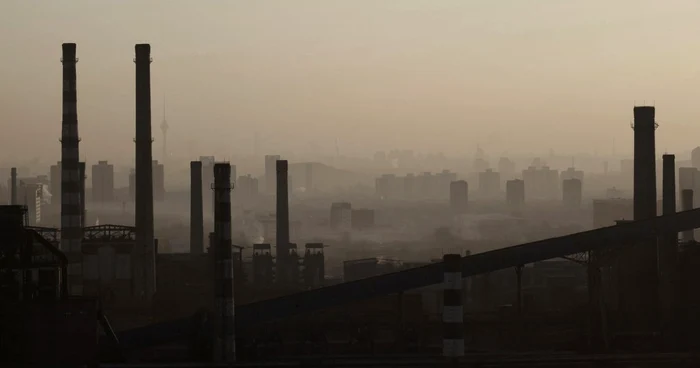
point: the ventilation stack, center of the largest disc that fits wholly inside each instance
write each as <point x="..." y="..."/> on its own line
<point x="196" y="209"/>
<point x="688" y="236"/>
<point x="668" y="243"/>
<point x="644" y="163"/>
<point x="71" y="212"/>
<point x="144" y="170"/>
<point x="225" y="339"/>
<point x="282" y="221"/>
<point x="13" y="186"/>
<point x="639" y="297"/>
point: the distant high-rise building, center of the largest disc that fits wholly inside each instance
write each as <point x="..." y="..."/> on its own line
<point x="247" y="187"/>
<point x="29" y="193"/>
<point x="102" y="182"/>
<point x="541" y="183"/>
<point x="689" y="178"/>
<point x="571" y="173"/>
<point x="362" y="218"/>
<point x="383" y="186"/>
<point x="515" y="193"/>
<point x="270" y="173"/>
<point x="158" y="181"/>
<point x="208" y="183"/>
<point x="695" y="157"/>
<point x="572" y="192"/>
<point x="489" y="183"/>
<point x="506" y="168"/>
<point x="132" y="185"/>
<point x="441" y="184"/>
<point x="341" y="216"/>
<point x="459" y="196"/>
<point x="55" y="185"/>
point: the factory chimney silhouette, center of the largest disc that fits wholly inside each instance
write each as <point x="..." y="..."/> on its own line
<point x="144" y="170"/>
<point x="668" y="244"/>
<point x="225" y="337"/>
<point x="282" y="220"/>
<point x="640" y="292"/>
<point x="644" y="162"/>
<point x="71" y="211"/>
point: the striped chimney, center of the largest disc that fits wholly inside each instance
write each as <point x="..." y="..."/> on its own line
<point x="452" y="308"/>
<point x="225" y="339"/>
<point x="71" y="216"/>
<point x="144" y="170"/>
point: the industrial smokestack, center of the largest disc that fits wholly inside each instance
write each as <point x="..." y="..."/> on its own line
<point x="669" y="184"/>
<point x="282" y="221"/>
<point x="225" y="339"/>
<point x="13" y="186"/>
<point x="640" y="288"/>
<point x="668" y="243"/>
<point x="687" y="205"/>
<point x="144" y="169"/>
<point x="644" y="163"/>
<point x="196" y="209"/>
<point x="71" y="212"/>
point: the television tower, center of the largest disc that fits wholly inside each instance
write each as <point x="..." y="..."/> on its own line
<point x="164" y="128"/>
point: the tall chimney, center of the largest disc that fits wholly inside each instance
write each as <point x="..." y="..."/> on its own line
<point x="282" y="220"/>
<point x="71" y="215"/>
<point x="668" y="244"/>
<point x="687" y="205"/>
<point x="196" y="209"/>
<point x="644" y="163"/>
<point x="225" y="339"/>
<point x="640" y="291"/>
<point x="669" y="184"/>
<point x="13" y="186"/>
<point x="144" y="168"/>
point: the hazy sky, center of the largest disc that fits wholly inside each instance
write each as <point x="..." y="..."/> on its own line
<point x="512" y="75"/>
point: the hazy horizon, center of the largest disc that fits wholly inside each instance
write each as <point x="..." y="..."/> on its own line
<point x="430" y="75"/>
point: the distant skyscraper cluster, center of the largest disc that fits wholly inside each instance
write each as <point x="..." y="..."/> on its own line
<point x="420" y="187"/>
